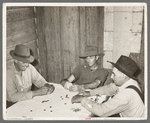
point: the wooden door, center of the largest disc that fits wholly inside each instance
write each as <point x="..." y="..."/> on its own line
<point x="63" y="34"/>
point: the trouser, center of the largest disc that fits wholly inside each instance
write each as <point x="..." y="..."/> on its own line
<point x="8" y="103"/>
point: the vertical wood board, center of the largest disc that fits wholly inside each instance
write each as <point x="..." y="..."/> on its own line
<point x="92" y="22"/>
<point x="58" y="45"/>
<point x="65" y="40"/>
<point x="41" y="41"/>
<point x="82" y="32"/>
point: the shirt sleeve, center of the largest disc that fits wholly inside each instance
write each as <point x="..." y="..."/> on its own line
<point x="108" y="90"/>
<point x="103" y="73"/>
<point x="12" y="91"/>
<point x="37" y="79"/>
<point x="113" y="106"/>
<point x="76" y="72"/>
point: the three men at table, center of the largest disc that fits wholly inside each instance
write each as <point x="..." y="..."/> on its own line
<point x="88" y="75"/>
<point x="21" y="75"/>
<point x="126" y="101"/>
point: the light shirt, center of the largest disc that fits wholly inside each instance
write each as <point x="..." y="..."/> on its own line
<point x="18" y="86"/>
<point x="127" y="102"/>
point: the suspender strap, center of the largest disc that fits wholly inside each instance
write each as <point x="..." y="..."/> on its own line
<point x="138" y="91"/>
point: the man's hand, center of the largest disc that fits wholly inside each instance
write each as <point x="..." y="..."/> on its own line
<point x="84" y="93"/>
<point x="77" y="99"/>
<point x="73" y="88"/>
<point x="41" y="91"/>
<point x="51" y="88"/>
<point x="66" y="84"/>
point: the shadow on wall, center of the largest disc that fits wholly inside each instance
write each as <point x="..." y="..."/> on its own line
<point x="35" y="62"/>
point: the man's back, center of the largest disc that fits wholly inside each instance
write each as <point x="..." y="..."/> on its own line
<point x="134" y="106"/>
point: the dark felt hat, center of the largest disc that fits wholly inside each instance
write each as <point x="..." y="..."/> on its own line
<point x="22" y="53"/>
<point x="91" y="51"/>
<point x="127" y="66"/>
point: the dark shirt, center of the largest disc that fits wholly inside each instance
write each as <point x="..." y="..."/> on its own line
<point x="84" y="75"/>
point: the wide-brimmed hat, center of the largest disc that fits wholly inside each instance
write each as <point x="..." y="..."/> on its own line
<point x="91" y="51"/>
<point x="127" y="66"/>
<point x="22" y="53"/>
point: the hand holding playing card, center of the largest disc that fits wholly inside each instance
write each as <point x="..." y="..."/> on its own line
<point x="50" y="87"/>
<point x="77" y="98"/>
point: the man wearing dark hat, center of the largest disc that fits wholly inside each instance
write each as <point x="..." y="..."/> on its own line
<point x="88" y="75"/>
<point x="21" y="75"/>
<point x="127" y="99"/>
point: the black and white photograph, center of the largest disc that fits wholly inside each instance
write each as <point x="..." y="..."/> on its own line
<point x="75" y="61"/>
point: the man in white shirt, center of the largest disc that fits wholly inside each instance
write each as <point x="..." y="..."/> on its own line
<point x="21" y="75"/>
<point x="125" y="101"/>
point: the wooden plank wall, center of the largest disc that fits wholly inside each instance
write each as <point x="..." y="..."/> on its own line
<point x="21" y="29"/>
<point x="63" y="34"/>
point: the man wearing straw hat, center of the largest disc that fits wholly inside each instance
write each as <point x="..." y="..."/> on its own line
<point x="21" y="75"/>
<point x="127" y="98"/>
<point x="88" y="75"/>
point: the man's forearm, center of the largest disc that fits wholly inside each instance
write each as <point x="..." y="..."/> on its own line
<point x="20" y="96"/>
<point x="92" y="85"/>
<point x="108" y="90"/>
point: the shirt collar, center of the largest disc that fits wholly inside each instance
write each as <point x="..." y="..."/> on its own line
<point x="129" y="82"/>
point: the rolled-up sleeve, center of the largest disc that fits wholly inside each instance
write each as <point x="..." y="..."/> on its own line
<point x="102" y="76"/>
<point x="115" y="105"/>
<point x="76" y="72"/>
<point x="12" y="92"/>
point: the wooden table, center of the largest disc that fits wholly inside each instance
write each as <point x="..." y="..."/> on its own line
<point x="56" y="106"/>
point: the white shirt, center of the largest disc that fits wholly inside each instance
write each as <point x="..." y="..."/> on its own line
<point x="18" y="86"/>
<point x="127" y="102"/>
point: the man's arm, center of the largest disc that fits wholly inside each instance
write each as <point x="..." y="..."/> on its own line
<point x="12" y="91"/>
<point x="36" y="78"/>
<point x="15" y="95"/>
<point x="85" y="86"/>
<point x="92" y="85"/>
<point x="108" y="90"/>
<point x="66" y="83"/>
<point x="115" y="105"/>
